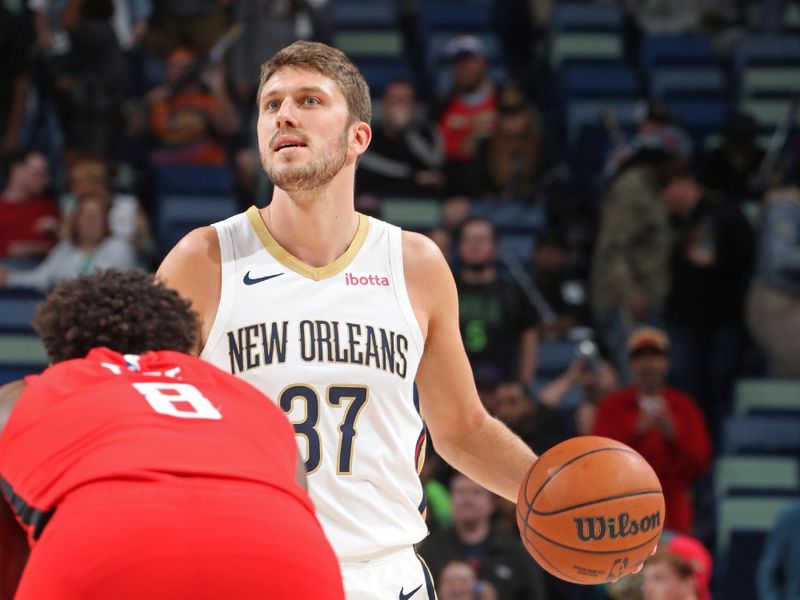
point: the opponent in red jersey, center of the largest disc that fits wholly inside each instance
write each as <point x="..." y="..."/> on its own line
<point x="152" y="474"/>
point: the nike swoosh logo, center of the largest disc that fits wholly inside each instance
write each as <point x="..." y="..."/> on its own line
<point x="250" y="281"/>
<point x="408" y="595"/>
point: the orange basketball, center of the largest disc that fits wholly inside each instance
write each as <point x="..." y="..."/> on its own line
<point x="590" y="510"/>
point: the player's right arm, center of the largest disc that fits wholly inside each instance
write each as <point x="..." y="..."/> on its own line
<point x="193" y="269"/>
<point x="463" y="433"/>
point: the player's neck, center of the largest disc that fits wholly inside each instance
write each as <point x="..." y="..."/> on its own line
<point x="316" y="226"/>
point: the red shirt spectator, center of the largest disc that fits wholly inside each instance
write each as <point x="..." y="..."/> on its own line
<point x="28" y="219"/>
<point x="661" y="423"/>
<point x="468" y="115"/>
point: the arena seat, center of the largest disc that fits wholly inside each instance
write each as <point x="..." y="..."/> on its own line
<point x="742" y="526"/>
<point x="742" y="474"/>
<point x="193" y="179"/>
<point x="582" y="16"/>
<point x="744" y="434"/>
<point x="773" y="396"/>
<point x="16" y="310"/>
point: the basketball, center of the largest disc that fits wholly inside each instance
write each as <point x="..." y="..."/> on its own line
<point x="590" y="510"/>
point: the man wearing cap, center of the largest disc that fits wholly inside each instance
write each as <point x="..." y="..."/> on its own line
<point x="661" y="423"/>
<point x="680" y="570"/>
<point x="467" y="114"/>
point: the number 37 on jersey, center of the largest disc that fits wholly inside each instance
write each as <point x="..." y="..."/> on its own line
<point x="348" y="400"/>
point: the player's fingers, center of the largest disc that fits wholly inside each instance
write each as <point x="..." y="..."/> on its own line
<point x="653" y="551"/>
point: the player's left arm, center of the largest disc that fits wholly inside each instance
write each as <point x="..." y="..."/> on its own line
<point x="463" y="433"/>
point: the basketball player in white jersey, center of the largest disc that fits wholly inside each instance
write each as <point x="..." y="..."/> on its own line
<point x="335" y="316"/>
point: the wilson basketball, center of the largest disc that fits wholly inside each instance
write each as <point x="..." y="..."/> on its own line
<point x="590" y="510"/>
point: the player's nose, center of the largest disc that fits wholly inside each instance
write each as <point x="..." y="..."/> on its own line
<point x="286" y="115"/>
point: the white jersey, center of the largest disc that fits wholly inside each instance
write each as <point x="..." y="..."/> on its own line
<point x="337" y="348"/>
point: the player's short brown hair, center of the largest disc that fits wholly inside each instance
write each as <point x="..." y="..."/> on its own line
<point x="126" y="311"/>
<point x="331" y="63"/>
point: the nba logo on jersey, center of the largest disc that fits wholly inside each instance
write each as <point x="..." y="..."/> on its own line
<point x="364" y="279"/>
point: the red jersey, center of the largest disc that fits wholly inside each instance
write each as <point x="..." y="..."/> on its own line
<point x="155" y="417"/>
<point x="467" y="120"/>
<point x="33" y="220"/>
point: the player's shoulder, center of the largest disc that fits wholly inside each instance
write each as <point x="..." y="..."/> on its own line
<point x="420" y="253"/>
<point x="198" y="248"/>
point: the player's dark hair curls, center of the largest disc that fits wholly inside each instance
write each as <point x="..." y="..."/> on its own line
<point x="126" y="311"/>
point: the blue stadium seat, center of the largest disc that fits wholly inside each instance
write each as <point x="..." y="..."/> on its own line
<point x="453" y="16"/>
<point x="381" y="72"/>
<point x="193" y="179"/>
<point x="588" y="113"/>
<point x="676" y="50"/>
<point x="16" y="309"/>
<point x="766" y="50"/>
<point x="10" y="373"/>
<point x="761" y="435"/>
<point x="701" y="117"/>
<point x="668" y="83"/>
<point x="513" y="217"/>
<point x="583" y="16"/>
<point x="554" y="358"/>
<point x="742" y="526"/>
<point x="616" y="80"/>
<point x="517" y="245"/>
<point x="177" y="215"/>
<point x="369" y="14"/>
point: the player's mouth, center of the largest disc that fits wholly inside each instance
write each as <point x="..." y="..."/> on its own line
<point x="288" y="143"/>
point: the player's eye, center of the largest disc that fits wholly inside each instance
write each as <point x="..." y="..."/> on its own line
<point x="311" y="100"/>
<point x="272" y="105"/>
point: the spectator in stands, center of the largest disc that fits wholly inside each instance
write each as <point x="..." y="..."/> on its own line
<point x="773" y="305"/>
<point x="679" y="570"/>
<point x="91" y="80"/>
<point x="455" y="212"/>
<point x="630" y="275"/>
<point x="16" y="43"/>
<point x="90" y="248"/>
<point x="91" y="177"/>
<point x="496" y="555"/>
<point x="731" y="167"/>
<point x="506" y="165"/>
<point x="189" y="125"/>
<point x="513" y="22"/>
<point x="195" y="24"/>
<point x="664" y="425"/>
<point x="588" y="380"/>
<point x="778" y="575"/>
<point x="713" y="251"/>
<point x="28" y="218"/>
<point x="458" y="581"/>
<point x="405" y="155"/>
<point x="538" y="425"/>
<point x="468" y="113"/>
<point x="131" y="22"/>
<point x="498" y="324"/>
<point x="563" y="291"/>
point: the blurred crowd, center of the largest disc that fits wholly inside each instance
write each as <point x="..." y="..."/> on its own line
<point x="672" y="273"/>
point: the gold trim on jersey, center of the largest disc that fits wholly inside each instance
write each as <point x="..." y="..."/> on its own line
<point x="295" y="264"/>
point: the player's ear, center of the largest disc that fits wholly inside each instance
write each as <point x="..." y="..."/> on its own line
<point x="362" y="135"/>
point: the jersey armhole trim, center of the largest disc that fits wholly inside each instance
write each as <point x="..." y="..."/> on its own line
<point x="400" y="290"/>
<point x="227" y="290"/>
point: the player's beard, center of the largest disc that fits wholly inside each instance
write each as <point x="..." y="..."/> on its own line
<point x="312" y="174"/>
